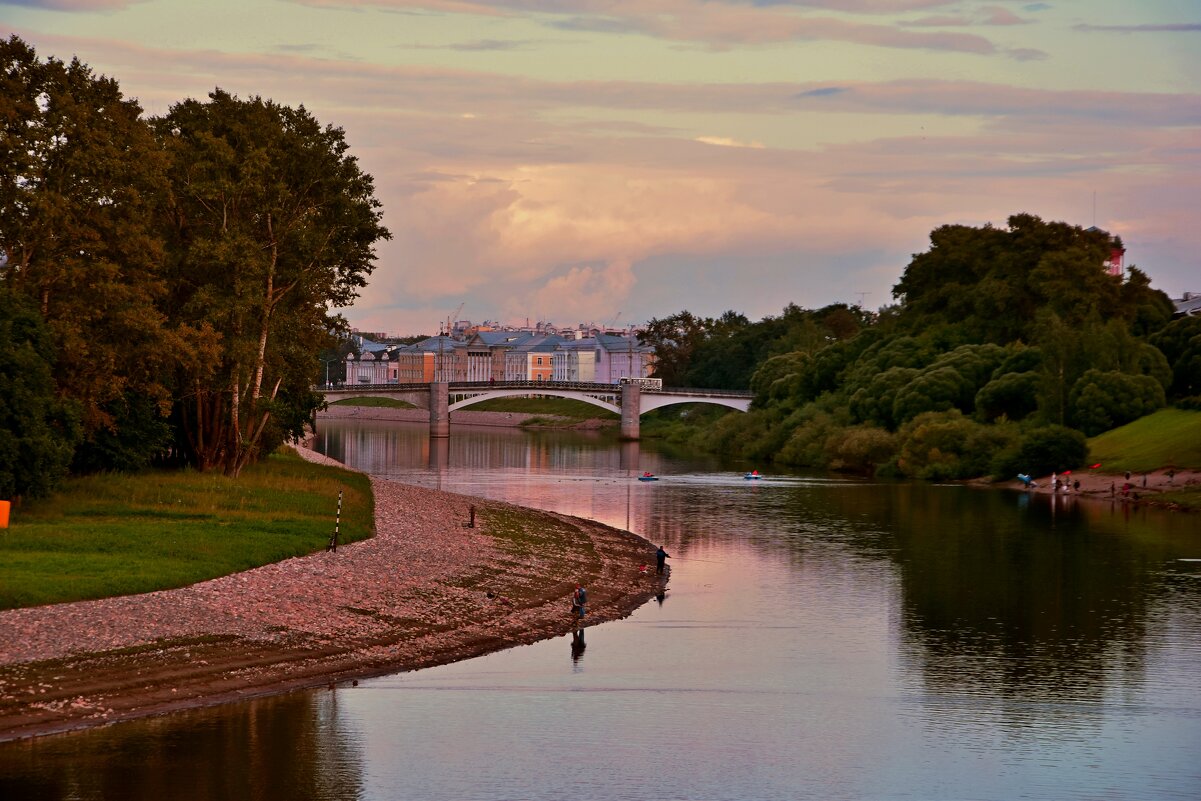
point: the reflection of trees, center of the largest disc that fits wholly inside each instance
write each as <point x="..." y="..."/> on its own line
<point x="1032" y="601"/>
<point x="292" y="746"/>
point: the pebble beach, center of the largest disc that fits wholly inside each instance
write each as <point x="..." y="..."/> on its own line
<point x="425" y="590"/>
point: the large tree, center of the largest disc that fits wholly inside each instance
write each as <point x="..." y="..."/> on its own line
<point x="271" y="225"/>
<point x="991" y="284"/>
<point x="37" y="429"/>
<point x="80" y="174"/>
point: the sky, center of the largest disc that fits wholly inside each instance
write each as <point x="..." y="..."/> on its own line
<point x="614" y="161"/>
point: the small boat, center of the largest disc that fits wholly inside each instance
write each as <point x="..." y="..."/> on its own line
<point x="751" y="476"/>
<point x="648" y="477"/>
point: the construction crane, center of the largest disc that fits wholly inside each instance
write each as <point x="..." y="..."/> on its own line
<point x="455" y="318"/>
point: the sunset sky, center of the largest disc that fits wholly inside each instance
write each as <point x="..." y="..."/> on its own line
<point x="618" y="160"/>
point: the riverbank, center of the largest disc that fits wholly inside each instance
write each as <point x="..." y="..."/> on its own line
<point x="1144" y="487"/>
<point x="425" y="590"/>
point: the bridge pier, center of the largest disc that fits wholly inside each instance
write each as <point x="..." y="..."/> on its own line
<point x="631" y="400"/>
<point x="439" y="409"/>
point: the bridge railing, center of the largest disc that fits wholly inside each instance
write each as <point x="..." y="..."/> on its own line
<point x="580" y="386"/>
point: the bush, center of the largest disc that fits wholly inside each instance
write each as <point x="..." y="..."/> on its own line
<point x="1104" y="400"/>
<point x="1043" y="450"/>
<point x="861" y="449"/>
<point x="945" y="445"/>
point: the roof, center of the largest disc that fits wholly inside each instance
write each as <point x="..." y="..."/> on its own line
<point x="613" y="343"/>
<point x="440" y="343"/>
<point x="539" y="344"/>
<point x="1189" y="305"/>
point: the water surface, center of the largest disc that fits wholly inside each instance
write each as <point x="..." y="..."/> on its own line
<point x="819" y="638"/>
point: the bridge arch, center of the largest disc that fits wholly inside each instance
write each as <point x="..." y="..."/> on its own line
<point x="508" y="393"/>
<point x="652" y="402"/>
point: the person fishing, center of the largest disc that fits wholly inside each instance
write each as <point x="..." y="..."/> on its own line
<point x="661" y="557"/>
<point x="579" y="601"/>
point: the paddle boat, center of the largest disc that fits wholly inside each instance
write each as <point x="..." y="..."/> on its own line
<point x="648" y="477"/>
<point x="753" y="475"/>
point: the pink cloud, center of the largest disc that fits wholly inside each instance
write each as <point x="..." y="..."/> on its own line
<point x="718" y="24"/>
<point x="74" y="5"/>
<point x="496" y="191"/>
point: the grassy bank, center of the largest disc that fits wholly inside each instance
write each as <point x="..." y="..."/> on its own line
<point x="113" y="534"/>
<point x="572" y="410"/>
<point x="1168" y="438"/>
<point x="375" y="403"/>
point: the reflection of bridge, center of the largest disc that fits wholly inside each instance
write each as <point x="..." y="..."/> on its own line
<point x="628" y="400"/>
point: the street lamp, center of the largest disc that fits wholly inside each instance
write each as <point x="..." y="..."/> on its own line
<point x="327" y="363"/>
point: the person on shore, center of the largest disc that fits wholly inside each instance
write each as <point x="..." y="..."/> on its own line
<point x="661" y="557"/>
<point x="579" y="601"/>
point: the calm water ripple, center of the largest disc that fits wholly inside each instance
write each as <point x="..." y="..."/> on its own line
<point x="820" y="637"/>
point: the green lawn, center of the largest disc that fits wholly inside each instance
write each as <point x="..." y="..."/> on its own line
<point x="387" y="403"/>
<point x="557" y="407"/>
<point x="117" y="534"/>
<point x="1167" y="438"/>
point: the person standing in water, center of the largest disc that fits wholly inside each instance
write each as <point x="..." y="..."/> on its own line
<point x="661" y="557"/>
<point x="579" y="600"/>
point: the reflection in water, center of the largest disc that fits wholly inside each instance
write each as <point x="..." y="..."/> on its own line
<point x="827" y="637"/>
<point x="294" y="746"/>
<point x="577" y="646"/>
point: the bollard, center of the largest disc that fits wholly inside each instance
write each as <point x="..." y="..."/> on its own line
<point x="4" y="506"/>
<point x="333" y="540"/>
<point x="472" y="523"/>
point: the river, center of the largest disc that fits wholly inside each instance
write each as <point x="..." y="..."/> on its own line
<point x="820" y="637"/>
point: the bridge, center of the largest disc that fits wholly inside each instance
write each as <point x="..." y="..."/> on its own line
<point x="630" y="400"/>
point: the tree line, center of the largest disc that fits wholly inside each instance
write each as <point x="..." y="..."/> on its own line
<point x="166" y="283"/>
<point x="1005" y="348"/>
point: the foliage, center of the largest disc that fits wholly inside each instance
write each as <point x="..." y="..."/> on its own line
<point x="37" y="431"/>
<point x="724" y="353"/>
<point x="948" y="445"/>
<point x="1180" y="343"/>
<point x="80" y="180"/>
<point x="109" y="534"/>
<point x="1047" y="449"/>
<point x="270" y="223"/>
<point x="991" y="284"/>
<point x="1102" y="400"/>
<point x="1009" y="395"/>
<point x="860" y="449"/>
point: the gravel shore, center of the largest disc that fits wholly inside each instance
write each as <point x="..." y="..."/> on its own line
<point x="425" y="590"/>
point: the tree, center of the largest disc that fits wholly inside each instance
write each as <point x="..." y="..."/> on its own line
<point x="80" y="174"/>
<point x="674" y="339"/>
<point x="1102" y="400"/>
<point x="38" y="432"/>
<point x="271" y="223"/>
<point x="990" y="285"/>
<point x="1180" y="343"/>
<point x="1045" y="450"/>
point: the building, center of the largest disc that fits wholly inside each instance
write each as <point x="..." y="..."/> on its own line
<point x="1189" y="305"/>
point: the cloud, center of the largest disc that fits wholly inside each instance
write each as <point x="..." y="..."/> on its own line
<point x="717" y="23"/>
<point x="986" y="15"/>
<point x="74" y="5"/>
<point x="1181" y="27"/>
<point x="722" y="141"/>
<point x="478" y="45"/>
<point x="570" y="200"/>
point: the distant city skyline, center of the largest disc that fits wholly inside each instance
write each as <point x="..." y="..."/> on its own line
<point x="592" y="161"/>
